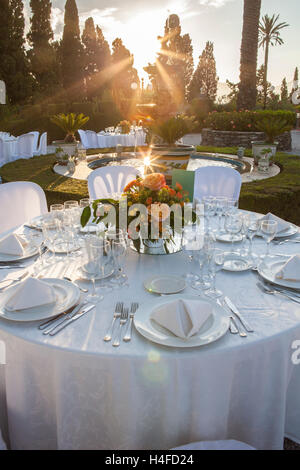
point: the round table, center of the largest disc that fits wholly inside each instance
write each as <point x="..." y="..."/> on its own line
<point x="75" y="391"/>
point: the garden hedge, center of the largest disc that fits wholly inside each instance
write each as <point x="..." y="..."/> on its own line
<point x="244" y="121"/>
<point x="280" y="194"/>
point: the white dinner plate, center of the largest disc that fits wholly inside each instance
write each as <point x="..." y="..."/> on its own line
<point x="86" y="276"/>
<point x="236" y="263"/>
<point x="165" y="284"/>
<point x="214" y="328"/>
<point x="67" y="294"/>
<point x="269" y="274"/>
<point x="226" y="237"/>
<point x="289" y="232"/>
<point x="29" y="251"/>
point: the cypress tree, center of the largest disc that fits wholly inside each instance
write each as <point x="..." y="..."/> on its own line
<point x="14" y="68"/>
<point x="205" y="79"/>
<point x="284" y="94"/>
<point x="42" y="54"/>
<point x="72" y="53"/>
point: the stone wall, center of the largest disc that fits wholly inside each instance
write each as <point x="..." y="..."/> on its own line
<point x="241" y="139"/>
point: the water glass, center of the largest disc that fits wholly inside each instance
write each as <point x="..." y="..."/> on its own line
<point x="252" y="225"/>
<point x="51" y="230"/>
<point x="191" y="246"/>
<point x="209" y="203"/>
<point x="98" y="258"/>
<point x="119" y="247"/>
<point x="268" y="229"/>
<point x="233" y="225"/>
<point x="221" y="204"/>
<point x="216" y="264"/>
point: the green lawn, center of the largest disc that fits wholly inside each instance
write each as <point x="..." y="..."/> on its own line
<point x="280" y="194"/>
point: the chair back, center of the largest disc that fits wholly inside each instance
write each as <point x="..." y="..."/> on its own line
<point x="42" y="150"/>
<point x="83" y="138"/>
<point x="36" y="135"/>
<point x="217" y="181"/>
<point x="20" y="202"/>
<point x="92" y="139"/>
<point x="104" y="182"/>
<point x="1" y="152"/>
<point x="25" y="146"/>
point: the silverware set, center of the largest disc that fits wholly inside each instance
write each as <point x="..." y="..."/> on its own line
<point x="275" y="290"/>
<point x="238" y="324"/>
<point x="121" y="324"/>
<point x="53" y="326"/>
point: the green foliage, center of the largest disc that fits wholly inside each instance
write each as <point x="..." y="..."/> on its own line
<point x="125" y="126"/>
<point x="273" y="127"/>
<point x="70" y="123"/>
<point x="205" y="79"/>
<point x="244" y="121"/>
<point x="171" y="130"/>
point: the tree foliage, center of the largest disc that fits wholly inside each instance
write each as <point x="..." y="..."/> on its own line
<point x="205" y="79"/>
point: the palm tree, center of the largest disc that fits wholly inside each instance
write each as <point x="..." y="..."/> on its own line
<point x="269" y="35"/>
<point x="247" y="87"/>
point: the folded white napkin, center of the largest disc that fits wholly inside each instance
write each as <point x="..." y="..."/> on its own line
<point x="12" y="244"/>
<point x="282" y="225"/>
<point x="31" y="293"/>
<point x="183" y="318"/>
<point x="290" y="270"/>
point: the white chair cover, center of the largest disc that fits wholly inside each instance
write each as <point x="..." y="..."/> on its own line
<point x="25" y="146"/>
<point x="36" y="135"/>
<point x="103" y="182"/>
<point x="20" y="202"/>
<point x="83" y="138"/>
<point x="2" y="443"/>
<point x="2" y="160"/>
<point x="92" y="139"/>
<point x="217" y="181"/>
<point x="216" y="445"/>
<point x="42" y="149"/>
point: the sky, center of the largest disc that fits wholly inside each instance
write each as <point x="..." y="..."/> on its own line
<point x="138" y="23"/>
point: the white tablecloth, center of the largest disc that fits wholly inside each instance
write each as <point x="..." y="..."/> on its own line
<point x="74" y="391"/>
<point x="126" y="140"/>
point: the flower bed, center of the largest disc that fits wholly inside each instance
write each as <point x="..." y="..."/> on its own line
<point x="241" y="139"/>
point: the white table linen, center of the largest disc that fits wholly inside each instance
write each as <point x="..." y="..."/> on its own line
<point x="74" y="391"/>
<point x="109" y="140"/>
<point x="9" y="150"/>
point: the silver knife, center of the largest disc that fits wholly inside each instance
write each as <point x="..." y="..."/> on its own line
<point x="65" y="315"/>
<point x="238" y="315"/>
<point x="75" y="317"/>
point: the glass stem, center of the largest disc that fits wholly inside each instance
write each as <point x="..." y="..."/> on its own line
<point x="268" y="248"/>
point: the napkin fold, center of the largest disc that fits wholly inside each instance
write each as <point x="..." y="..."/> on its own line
<point x="290" y="270"/>
<point x="282" y="225"/>
<point x="12" y="244"/>
<point x="31" y="293"/>
<point x="183" y="318"/>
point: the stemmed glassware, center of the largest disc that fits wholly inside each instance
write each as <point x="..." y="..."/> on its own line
<point x="220" y="204"/>
<point x="209" y="203"/>
<point x="51" y="231"/>
<point x="233" y="225"/>
<point x="118" y="240"/>
<point x="98" y="257"/>
<point x="216" y="264"/>
<point x="252" y="225"/>
<point x="190" y="246"/>
<point x="268" y="229"/>
<point x="204" y="255"/>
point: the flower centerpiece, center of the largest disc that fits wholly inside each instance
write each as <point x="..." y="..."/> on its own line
<point x="149" y="210"/>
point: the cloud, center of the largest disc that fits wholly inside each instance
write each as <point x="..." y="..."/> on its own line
<point x="214" y="3"/>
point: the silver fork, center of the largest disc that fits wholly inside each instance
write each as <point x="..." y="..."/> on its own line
<point x="117" y="314"/>
<point x="133" y="309"/>
<point x="123" y="320"/>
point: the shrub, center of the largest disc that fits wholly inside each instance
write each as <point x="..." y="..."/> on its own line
<point x="245" y="121"/>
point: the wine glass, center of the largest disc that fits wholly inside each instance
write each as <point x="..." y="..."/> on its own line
<point x="252" y="225"/>
<point x="190" y="246"/>
<point x="216" y="264"/>
<point x="119" y="247"/>
<point x="51" y="229"/>
<point x="56" y="211"/>
<point x="268" y="229"/>
<point x="98" y="257"/>
<point x="221" y="204"/>
<point x="209" y="203"/>
<point x="233" y="225"/>
<point x="204" y="254"/>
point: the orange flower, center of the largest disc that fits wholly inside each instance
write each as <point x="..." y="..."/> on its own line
<point x="158" y="211"/>
<point x="179" y="195"/>
<point x="129" y="185"/>
<point x="149" y="201"/>
<point x="172" y="192"/>
<point x="178" y="186"/>
<point x="154" y="181"/>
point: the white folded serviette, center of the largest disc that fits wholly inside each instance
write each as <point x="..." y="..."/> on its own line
<point x="12" y="244"/>
<point x="31" y="293"/>
<point x="183" y="318"/>
<point x="290" y="270"/>
<point x="282" y="225"/>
